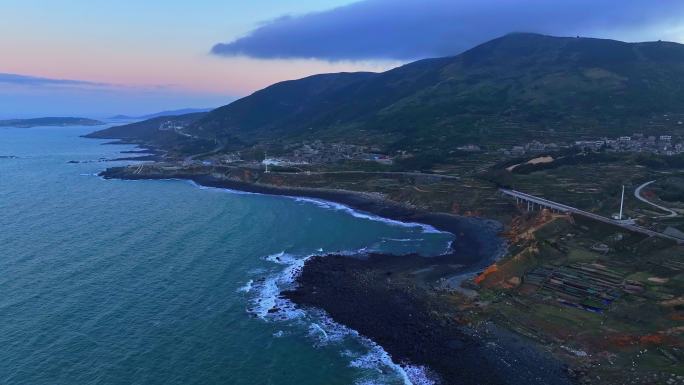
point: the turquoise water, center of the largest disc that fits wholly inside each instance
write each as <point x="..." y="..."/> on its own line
<point x="163" y="282"/>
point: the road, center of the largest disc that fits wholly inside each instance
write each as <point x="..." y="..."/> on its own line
<point x="637" y="195"/>
<point x="389" y="173"/>
<point x="379" y="173"/>
<point x="569" y="209"/>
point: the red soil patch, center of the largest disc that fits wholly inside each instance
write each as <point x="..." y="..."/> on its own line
<point x="488" y="271"/>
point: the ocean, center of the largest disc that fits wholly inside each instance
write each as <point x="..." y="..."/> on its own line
<point x="166" y="282"/>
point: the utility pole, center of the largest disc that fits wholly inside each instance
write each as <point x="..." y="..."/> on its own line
<point x="622" y="202"/>
<point x="266" y="161"/>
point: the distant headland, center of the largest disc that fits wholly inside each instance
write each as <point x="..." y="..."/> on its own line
<point x="50" y="121"/>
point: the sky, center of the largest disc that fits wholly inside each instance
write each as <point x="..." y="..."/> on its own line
<point x="98" y="58"/>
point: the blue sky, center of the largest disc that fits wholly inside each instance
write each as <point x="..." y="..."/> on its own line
<point x="136" y="57"/>
<point x="150" y="54"/>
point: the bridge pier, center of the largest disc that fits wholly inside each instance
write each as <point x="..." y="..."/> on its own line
<point x="531" y="205"/>
<point x="555" y="207"/>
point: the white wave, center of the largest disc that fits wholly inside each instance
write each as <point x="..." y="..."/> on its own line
<point x="418" y="375"/>
<point x="427" y="229"/>
<point x="267" y="304"/>
<point x="220" y="189"/>
<point x="326" y="331"/>
<point x="315" y="331"/>
<point x="376" y="359"/>
<point x="379" y="360"/>
<point x="403" y="239"/>
<point x="247" y="287"/>
<point x="362" y="251"/>
<point x="363" y="215"/>
<point x="449" y="248"/>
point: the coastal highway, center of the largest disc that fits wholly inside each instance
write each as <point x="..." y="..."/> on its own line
<point x="388" y="173"/>
<point x="572" y="210"/>
<point x="637" y="195"/>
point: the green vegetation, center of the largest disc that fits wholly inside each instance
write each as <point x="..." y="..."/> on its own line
<point x="160" y="132"/>
<point x="672" y="189"/>
<point x="604" y="311"/>
<point x="588" y="181"/>
<point x="661" y="162"/>
<point x="511" y="90"/>
<point x="148" y="130"/>
<point x="568" y="160"/>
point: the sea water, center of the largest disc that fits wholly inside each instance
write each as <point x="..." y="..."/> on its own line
<point x="165" y="282"/>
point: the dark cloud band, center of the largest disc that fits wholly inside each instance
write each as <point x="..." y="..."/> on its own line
<point x="411" y="29"/>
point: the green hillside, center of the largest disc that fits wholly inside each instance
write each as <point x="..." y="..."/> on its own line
<point x="515" y="88"/>
<point x="147" y="129"/>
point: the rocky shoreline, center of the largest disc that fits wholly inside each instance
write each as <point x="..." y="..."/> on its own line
<point x="381" y="297"/>
<point x="377" y="296"/>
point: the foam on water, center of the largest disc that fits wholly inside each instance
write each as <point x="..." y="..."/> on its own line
<point x="205" y="278"/>
<point x="378" y="359"/>
<point x="427" y="229"/>
<point x="403" y="239"/>
<point x="220" y="189"/>
<point x="375" y="359"/>
<point x="247" y="287"/>
<point x="362" y="215"/>
<point x="268" y="305"/>
<point x="449" y="248"/>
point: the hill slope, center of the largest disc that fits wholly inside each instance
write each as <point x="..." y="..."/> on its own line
<point x="147" y="129"/>
<point x="182" y="111"/>
<point x="514" y="88"/>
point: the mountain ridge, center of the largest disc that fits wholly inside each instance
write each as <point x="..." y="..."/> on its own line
<point x="518" y="86"/>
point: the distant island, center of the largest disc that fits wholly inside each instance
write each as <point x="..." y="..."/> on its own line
<point x="51" y="121"/>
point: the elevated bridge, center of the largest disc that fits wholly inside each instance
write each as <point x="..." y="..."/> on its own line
<point x="533" y="202"/>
